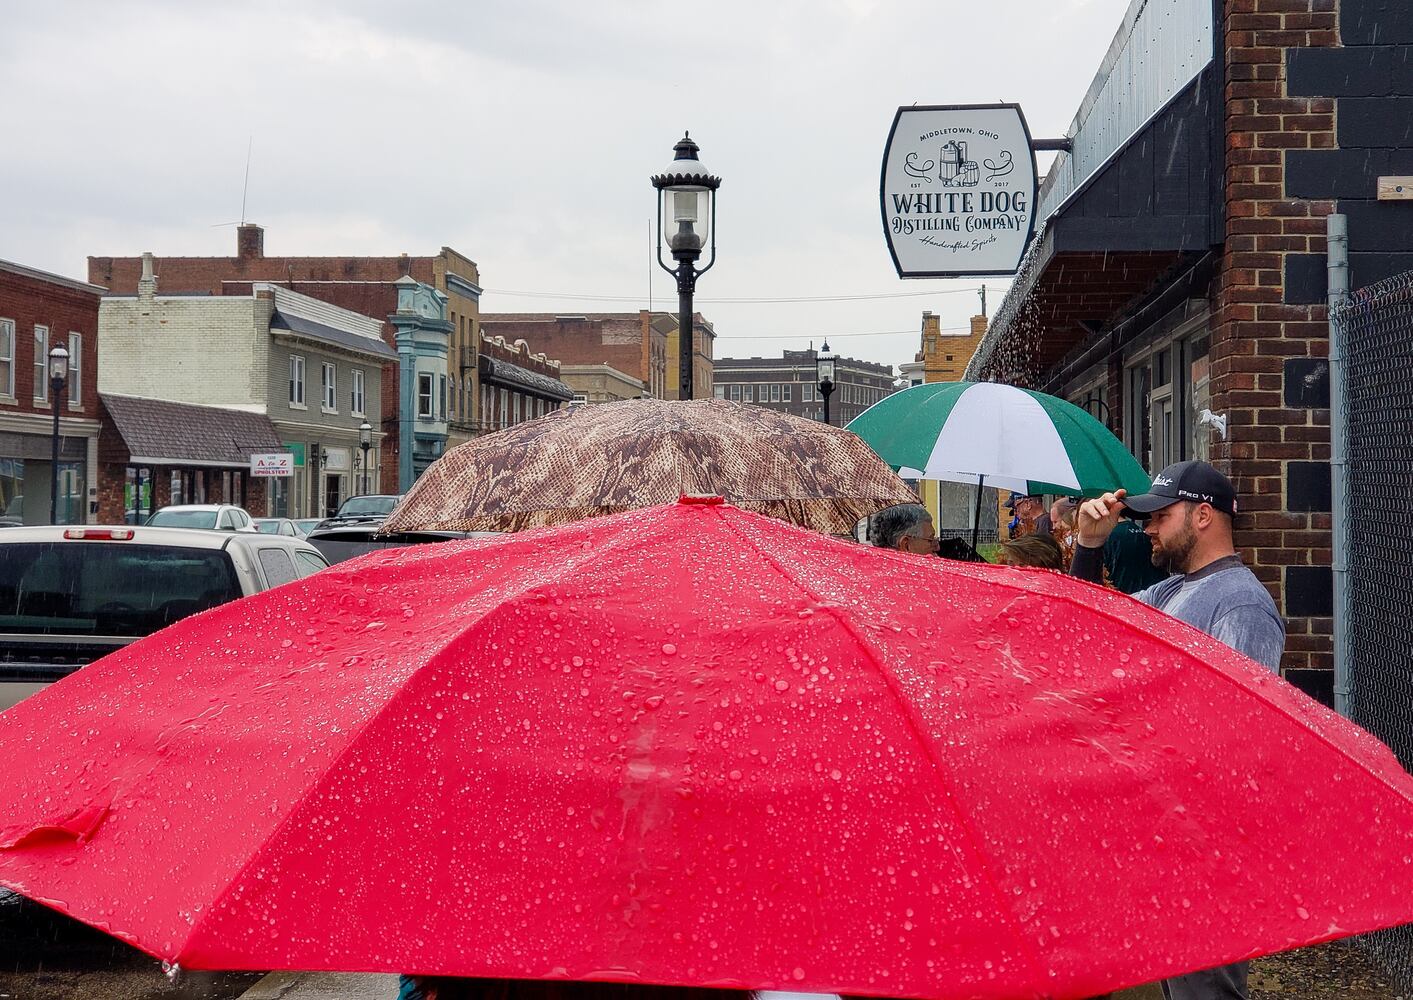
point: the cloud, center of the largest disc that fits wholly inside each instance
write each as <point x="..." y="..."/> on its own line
<point x="522" y="134"/>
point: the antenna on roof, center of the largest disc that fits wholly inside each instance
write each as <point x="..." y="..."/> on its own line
<point x="245" y="187"/>
<point x="250" y="144"/>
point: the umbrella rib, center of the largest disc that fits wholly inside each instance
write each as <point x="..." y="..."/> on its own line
<point x="919" y="734"/>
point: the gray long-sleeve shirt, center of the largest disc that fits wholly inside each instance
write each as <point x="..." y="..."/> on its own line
<point x="1223" y="599"/>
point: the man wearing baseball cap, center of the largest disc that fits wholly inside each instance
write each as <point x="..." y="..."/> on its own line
<point x="1187" y="515"/>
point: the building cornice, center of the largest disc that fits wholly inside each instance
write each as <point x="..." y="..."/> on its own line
<point x="54" y="279"/>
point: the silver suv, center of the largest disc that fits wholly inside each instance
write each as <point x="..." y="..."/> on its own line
<point x="69" y="595"/>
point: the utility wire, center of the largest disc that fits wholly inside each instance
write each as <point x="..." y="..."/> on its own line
<point x="735" y="301"/>
<point x="832" y="336"/>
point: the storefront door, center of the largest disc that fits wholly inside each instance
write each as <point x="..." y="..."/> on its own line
<point x="333" y="494"/>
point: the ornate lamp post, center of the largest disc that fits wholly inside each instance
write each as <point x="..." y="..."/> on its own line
<point x="365" y="441"/>
<point x="824" y="371"/>
<point x="58" y="375"/>
<point x="690" y="202"/>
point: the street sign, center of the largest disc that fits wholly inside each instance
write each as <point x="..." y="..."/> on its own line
<point x="958" y="190"/>
<point x="279" y="463"/>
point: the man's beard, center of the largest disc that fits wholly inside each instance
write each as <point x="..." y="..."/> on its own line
<point x="1174" y="558"/>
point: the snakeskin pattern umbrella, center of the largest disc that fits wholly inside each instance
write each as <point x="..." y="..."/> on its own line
<point x="590" y="460"/>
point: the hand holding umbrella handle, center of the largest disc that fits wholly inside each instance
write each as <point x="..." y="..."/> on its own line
<point x="1097" y="518"/>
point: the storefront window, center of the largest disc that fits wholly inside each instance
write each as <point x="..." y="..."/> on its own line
<point x="137" y="494"/>
<point x="72" y="494"/>
<point x="12" y="490"/>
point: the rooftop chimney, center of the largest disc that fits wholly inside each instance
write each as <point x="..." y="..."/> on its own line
<point x="250" y="241"/>
<point x="146" y="285"/>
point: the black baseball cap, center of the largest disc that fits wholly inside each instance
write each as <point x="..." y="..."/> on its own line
<point x="1018" y="497"/>
<point x="1194" y="481"/>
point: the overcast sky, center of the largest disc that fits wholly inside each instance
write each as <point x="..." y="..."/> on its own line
<point x="523" y="135"/>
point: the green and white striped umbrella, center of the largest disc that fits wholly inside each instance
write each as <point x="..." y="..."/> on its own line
<point x="1010" y="438"/>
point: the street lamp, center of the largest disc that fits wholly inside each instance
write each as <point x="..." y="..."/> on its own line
<point x="691" y="201"/>
<point x="824" y="371"/>
<point x="58" y="375"/>
<point x="365" y="441"/>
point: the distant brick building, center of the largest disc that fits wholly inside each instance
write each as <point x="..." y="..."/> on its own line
<point x="601" y="384"/>
<point x="362" y="284"/>
<point x="788" y="383"/>
<point x="308" y="372"/>
<point x="39" y="311"/>
<point x="1176" y="286"/>
<point x="517" y="385"/>
<point x="635" y="344"/>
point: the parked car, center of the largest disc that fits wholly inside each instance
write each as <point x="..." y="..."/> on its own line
<point x="69" y="595"/>
<point x="369" y="509"/>
<point x="304" y="525"/>
<point x="368" y="505"/>
<point x="218" y="516"/>
<point x="355" y="538"/>
<point x="277" y="526"/>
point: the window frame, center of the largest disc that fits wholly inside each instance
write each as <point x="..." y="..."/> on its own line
<point x="328" y="387"/>
<point x="7" y="340"/>
<point x="41" y="364"/>
<point x="357" y="398"/>
<point x="296" y="381"/>
<point x="425" y="389"/>
<point x="75" y="385"/>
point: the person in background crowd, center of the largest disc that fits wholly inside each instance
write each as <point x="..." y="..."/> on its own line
<point x="1032" y="550"/>
<point x="1188" y="516"/>
<point x="1062" y="525"/>
<point x="1128" y="559"/>
<point x="1028" y="510"/>
<point x="906" y="527"/>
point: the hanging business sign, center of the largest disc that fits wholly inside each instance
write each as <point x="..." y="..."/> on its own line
<point x="276" y="463"/>
<point x="958" y="190"/>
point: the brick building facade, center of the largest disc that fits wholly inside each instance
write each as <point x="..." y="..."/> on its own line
<point x="1182" y="297"/>
<point x="789" y="383"/>
<point x="518" y="384"/>
<point x="309" y="370"/>
<point x="362" y="284"/>
<point x="39" y="311"/>
<point x="633" y="343"/>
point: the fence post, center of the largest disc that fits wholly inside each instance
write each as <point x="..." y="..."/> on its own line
<point x="1337" y="261"/>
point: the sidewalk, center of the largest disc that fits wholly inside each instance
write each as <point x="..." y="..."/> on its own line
<point x="322" y="986"/>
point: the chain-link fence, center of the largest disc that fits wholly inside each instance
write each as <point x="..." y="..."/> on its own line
<point x="1377" y="328"/>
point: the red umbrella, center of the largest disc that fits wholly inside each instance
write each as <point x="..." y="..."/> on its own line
<point x="695" y="745"/>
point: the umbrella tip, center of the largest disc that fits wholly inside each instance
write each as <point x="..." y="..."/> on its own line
<point x="703" y="499"/>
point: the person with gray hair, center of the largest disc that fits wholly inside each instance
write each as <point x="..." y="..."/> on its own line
<point x="906" y="527"/>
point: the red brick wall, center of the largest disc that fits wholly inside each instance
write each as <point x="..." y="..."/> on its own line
<point x="1254" y="331"/>
<point x="112" y="479"/>
<point x="206" y="274"/>
<point x="575" y="341"/>
<point x="29" y="301"/>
